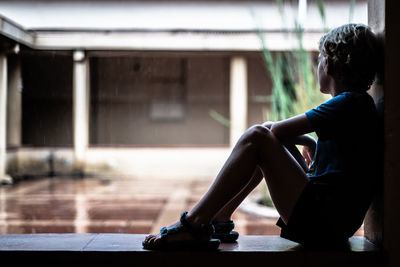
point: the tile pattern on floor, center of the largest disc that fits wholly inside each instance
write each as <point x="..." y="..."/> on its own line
<point x="108" y="205"/>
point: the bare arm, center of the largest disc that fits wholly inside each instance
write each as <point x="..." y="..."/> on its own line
<point x="303" y="140"/>
<point x="292" y="127"/>
<point x="293" y="131"/>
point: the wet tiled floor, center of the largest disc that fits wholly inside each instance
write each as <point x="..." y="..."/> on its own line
<point x="108" y="205"/>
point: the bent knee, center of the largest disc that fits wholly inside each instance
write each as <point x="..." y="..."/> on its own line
<point x="257" y="134"/>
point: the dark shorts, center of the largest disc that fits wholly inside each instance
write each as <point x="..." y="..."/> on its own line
<point x="324" y="213"/>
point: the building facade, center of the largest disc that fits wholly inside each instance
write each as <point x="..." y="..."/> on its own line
<point x="145" y="89"/>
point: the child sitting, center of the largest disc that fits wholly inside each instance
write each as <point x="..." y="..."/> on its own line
<point x="321" y="193"/>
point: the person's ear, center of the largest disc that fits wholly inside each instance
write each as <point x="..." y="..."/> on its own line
<point x="327" y="66"/>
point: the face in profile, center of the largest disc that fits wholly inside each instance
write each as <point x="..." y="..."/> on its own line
<point x="323" y="77"/>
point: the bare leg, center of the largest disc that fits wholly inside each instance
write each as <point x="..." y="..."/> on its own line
<point x="226" y="212"/>
<point x="257" y="147"/>
<point x="297" y="155"/>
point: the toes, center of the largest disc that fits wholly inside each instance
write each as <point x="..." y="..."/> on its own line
<point x="156" y="241"/>
<point x="152" y="239"/>
<point x="148" y="238"/>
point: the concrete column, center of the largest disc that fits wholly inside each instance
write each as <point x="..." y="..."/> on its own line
<point x="4" y="178"/>
<point x="373" y="223"/>
<point x="80" y="109"/>
<point x="391" y="183"/>
<point x="238" y="98"/>
<point x="14" y="100"/>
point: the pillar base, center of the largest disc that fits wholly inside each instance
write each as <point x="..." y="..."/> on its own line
<point x="6" y="179"/>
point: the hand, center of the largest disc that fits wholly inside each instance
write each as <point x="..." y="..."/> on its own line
<point x="308" y="154"/>
<point x="268" y="124"/>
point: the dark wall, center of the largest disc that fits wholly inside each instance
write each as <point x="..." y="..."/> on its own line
<point x="136" y="101"/>
<point x="47" y="100"/>
<point x="392" y="132"/>
<point x="158" y="100"/>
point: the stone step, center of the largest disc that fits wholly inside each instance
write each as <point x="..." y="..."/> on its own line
<point x="126" y="250"/>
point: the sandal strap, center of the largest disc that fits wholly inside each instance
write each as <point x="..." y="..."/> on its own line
<point x="184" y="221"/>
<point x="165" y="232"/>
<point x="205" y="229"/>
<point x="198" y="233"/>
<point x="223" y="227"/>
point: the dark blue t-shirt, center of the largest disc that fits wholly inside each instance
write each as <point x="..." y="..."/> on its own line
<point x="347" y="130"/>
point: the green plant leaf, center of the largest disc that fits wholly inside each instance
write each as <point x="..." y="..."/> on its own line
<point x="219" y="118"/>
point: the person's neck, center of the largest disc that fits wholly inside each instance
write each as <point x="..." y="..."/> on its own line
<point x="336" y="91"/>
<point x="337" y="88"/>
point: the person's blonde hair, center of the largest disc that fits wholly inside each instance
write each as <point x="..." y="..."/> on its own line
<point x="352" y="52"/>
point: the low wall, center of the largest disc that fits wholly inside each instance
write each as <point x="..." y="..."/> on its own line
<point x="137" y="162"/>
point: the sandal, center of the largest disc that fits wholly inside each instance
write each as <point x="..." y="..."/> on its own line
<point x="223" y="231"/>
<point x="197" y="243"/>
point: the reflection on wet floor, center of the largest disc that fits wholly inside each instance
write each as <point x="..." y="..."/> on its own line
<point x="113" y="205"/>
<point x="99" y="205"/>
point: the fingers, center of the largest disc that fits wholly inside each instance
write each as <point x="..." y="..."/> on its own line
<point x="268" y="124"/>
<point x="306" y="155"/>
<point x="308" y="161"/>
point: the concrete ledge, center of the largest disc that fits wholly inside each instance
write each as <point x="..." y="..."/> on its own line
<point x="126" y="250"/>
